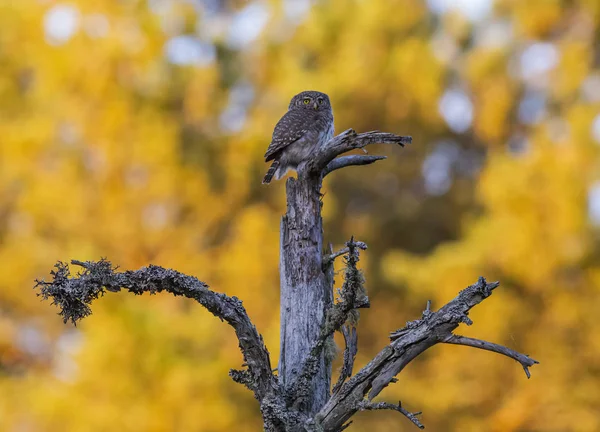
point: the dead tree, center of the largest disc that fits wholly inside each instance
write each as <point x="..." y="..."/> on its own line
<point x="300" y="396"/>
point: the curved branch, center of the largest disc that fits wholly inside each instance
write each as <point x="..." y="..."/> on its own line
<point x="350" y="160"/>
<point x="73" y="294"/>
<point x="525" y="360"/>
<point x="407" y="343"/>
<point x="350" y="140"/>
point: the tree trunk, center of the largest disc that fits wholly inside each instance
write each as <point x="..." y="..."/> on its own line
<point x="298" y="399"/>
<point x="306" y="291"/>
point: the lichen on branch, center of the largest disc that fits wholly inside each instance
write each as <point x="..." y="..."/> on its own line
<point x="73" y="294"/>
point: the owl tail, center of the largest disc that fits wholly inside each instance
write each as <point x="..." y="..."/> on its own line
<point x="269" y="175"/>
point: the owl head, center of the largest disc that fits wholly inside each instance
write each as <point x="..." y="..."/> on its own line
<point x="310" y="100"/>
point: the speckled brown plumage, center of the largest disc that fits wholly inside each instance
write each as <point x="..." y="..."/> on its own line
<point x="307" y="125"/>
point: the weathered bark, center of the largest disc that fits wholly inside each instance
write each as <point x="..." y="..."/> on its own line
<point x="74" y="295"/>
<point x="306" y="293"/>
<point x="407" y="343"/>
<point x="299" y="399"/>
<point x="352" y="296"/>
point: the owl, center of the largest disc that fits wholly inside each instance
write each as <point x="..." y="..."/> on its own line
<point x="307" y="125"/>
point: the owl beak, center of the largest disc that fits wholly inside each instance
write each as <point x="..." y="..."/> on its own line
<point x="316" y="106"/>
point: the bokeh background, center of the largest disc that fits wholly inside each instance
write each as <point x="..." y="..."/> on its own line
<point x="135" y="130"/>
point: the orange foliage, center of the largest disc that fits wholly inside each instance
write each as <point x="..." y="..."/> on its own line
<point x="135" y="131"/>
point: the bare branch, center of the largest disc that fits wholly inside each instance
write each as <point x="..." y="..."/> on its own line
<point x="368" y="406"/>
<point x="407" y="343"/>
<point x="352" y="296"/>
<point x="243" y="377"/>
<point x="350" y="160"/>
<point x="347" y="141"/>
<point x="525" y="360"/>
<point x="297" y="399"/>
<point x="351" y="341"/>
<point x="328" y="259"/>
<point x="73" y="295"/>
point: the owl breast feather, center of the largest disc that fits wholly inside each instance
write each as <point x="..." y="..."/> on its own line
<point x="304" y="148"/>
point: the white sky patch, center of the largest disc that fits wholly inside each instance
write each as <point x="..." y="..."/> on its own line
<point x="457" y="110"/>
<point x="596" y="129"/>
<point x="60" y="23"/>
<point x="247" y="25"/>
<point x="474" y="10"/>
<point x="532" y="108"/>
<point x="241" y="94"/>
<point x="538" y="59"/>
<point x="209" y="7"/>
<point x="437" y="168"/>
<point x="233" y="118"/>
<point x="296" y="10"/>
<point x="189" y="51"/>
<point x="594" y="203"/>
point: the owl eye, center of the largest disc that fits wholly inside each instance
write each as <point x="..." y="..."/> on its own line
<point x="306" y="101"/>
<point x="320" y="101"/>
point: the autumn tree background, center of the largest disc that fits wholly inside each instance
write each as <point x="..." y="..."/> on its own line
<point x="135" y="130"/>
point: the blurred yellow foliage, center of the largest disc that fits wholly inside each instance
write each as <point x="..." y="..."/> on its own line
<point x="135" y="131"/>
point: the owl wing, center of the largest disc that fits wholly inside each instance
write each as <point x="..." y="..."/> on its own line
<point x="289" y="129"/>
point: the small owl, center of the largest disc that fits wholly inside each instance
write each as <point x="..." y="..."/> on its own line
<point x="306" y="126"/>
